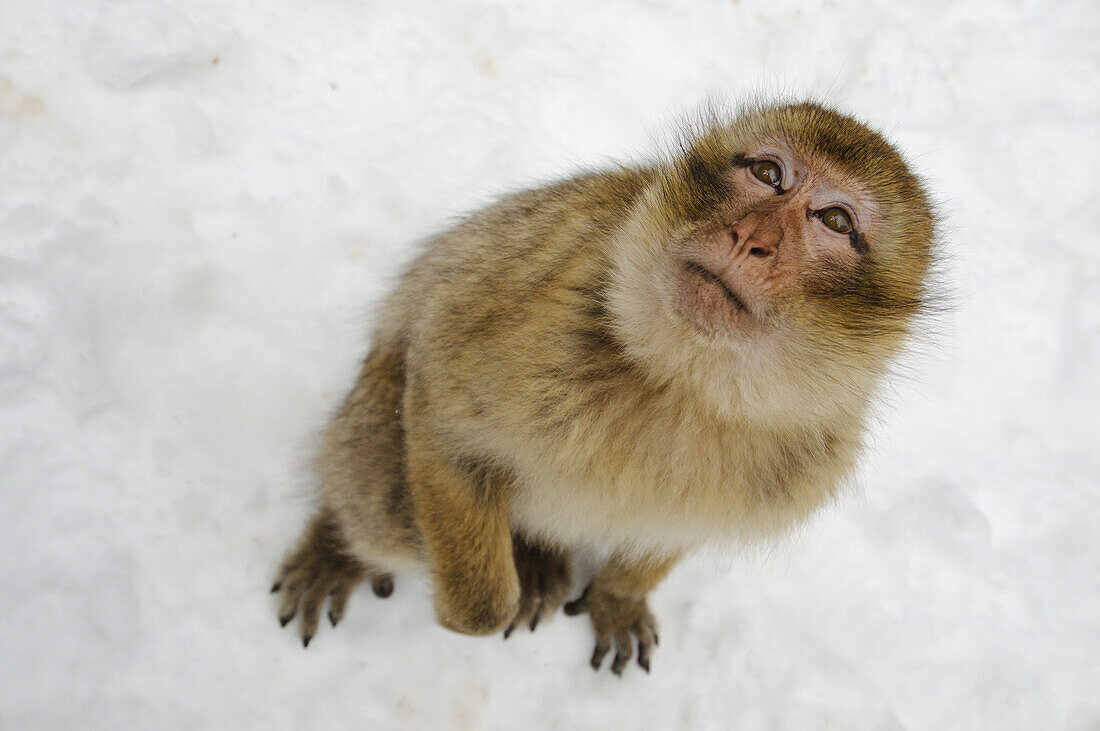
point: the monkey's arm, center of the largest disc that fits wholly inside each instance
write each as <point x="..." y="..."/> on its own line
<point x="616" y="603"/>
<point x="462" y="513"/>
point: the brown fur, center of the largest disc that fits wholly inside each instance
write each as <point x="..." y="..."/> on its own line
<point x="545" y="577"/>
<point x="616" y="603"/>
<point x="530" y="376"/>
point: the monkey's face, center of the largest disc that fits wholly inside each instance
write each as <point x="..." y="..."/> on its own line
<point x="787" y="215"/>
<point x="786" y="253"/>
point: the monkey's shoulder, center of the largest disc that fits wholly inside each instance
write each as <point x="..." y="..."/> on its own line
<point x="528" y="229"/>
<point x="519" y="283"/>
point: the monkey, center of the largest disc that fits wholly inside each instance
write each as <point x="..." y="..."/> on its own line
<point x="637" y="361"/>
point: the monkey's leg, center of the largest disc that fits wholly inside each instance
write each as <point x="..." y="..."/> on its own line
<point x="318" y="568"/>
<point x="616" y="603"/>
<point x="462" y="514"/>
<point x="545" y="575"/>
<point x="364" y="528"/>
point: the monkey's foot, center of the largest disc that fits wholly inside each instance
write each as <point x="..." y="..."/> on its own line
<point x="320" y="568"/>
<point x="545" y="575"/>
<point x="617" y="619"/>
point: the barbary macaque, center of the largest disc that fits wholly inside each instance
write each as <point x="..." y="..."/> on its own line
<point x="636" y="361"/>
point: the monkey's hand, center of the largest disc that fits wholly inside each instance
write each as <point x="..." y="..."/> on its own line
<point x="619" y="619"/>
<point x="318" y="568"/>
<point x="545" y="575"/>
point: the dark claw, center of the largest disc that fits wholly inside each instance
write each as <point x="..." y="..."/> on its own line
<point x="276" y="586"/>
<point x="597" y="656"/>
<point x="656" y="639"/>
<point x="534" y="622"/>
<point x="382" y="587"/>
<point x="618" y="664"/>
<point x="510" y="629"/>
<point x="284" y="621"/>
<point x="306" y="639"/>
<point x="332" y="618"/>
<point x="643" y="657"/>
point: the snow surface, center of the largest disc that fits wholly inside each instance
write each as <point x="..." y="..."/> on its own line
<point x="200" y="200"/>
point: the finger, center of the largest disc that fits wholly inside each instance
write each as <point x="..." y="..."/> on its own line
<point x="603" y="646"/>
<point x="549" y="604"/>
<point x="535" y="621"/>
<point x="382" y="586"/>
<point x="578" y="605"/>
<point x="528" y="603"/>
<point x="540" y="593"/>
<point x="339" y="601"/>
<point x="624" y="650"/>
<point x="553" y="595"/>
<point x="546" y="609"/>
<point x="536" y="616"/>
<point x="311" y="610"/>
<point x="526" y="597"/>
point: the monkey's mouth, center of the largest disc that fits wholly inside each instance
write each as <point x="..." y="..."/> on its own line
<point x="709" y="302"/>
<point x="698" y="270"/>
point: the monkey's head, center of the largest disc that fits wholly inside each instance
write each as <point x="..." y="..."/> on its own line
<point x="777" y="263"/>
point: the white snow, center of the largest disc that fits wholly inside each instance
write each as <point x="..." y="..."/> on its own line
<point x="201" y="199"/>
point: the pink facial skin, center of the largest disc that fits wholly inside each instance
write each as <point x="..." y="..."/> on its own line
<point x="735" y="277"/>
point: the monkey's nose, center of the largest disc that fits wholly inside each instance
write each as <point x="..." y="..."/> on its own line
<point x="760" y="238"/>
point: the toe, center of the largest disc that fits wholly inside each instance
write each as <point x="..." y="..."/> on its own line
<point x="578" y="605"/>
<point x="339" y="601"/>
<point x="624" y="650"/>
<point x="382" y="586"/>
<point x="647" y="638"/>
<point x="603" y="646"/>
<point x="288" y="606"/>
<point x="311" y="610"/>
<point x="644" y="650"/>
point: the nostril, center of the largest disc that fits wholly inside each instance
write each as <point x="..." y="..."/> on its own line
<point x="758" y="252"/>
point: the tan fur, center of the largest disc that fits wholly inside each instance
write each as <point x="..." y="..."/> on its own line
<point x="530" y="375"/>
<point x="616" y="604"/>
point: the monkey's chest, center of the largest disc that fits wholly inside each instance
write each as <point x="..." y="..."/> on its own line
<point x="675" y="492"/>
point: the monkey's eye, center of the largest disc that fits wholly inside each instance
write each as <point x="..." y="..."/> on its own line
<point x="836" y="219"/>
<point x="768" y="172"/>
